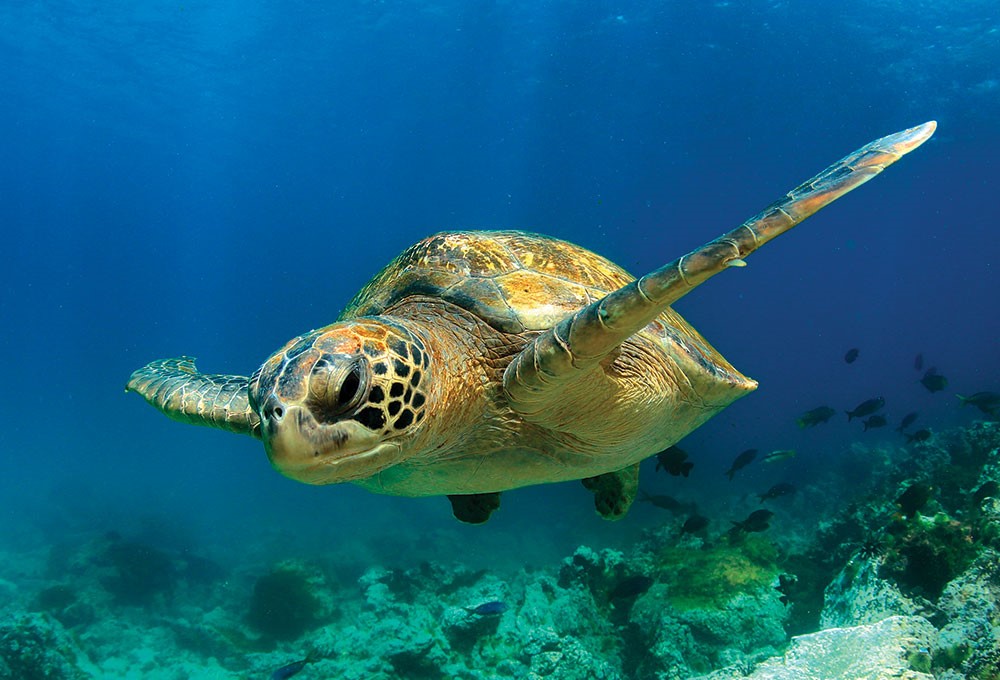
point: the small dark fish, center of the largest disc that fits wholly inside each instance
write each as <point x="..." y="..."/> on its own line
<point x="817" y="416"/>
<point x="757" y="521"/>
<point x="866" y="408"/>
<point x="694" y="524"/>
<point x="291" y="669"/>
<point x="775" y="456"/>
<point x="918" y="436"/>
<point x="989" y="489"/>
<point x="852" y="355"/>
<point x="666" y="502"/>
<point x="494" y="608"/>
<point x="914" y="498"/>
<point x="778" y="490"/>
<point x="633" y="586"/>
<point x="908" y="420"/>
<point x="873" y="422"/>
<point x="918" y="362"/>
<point x="987" y="402"/>
<point x="674" y="461"/>
<point x="741" y="462"/>
<point x="934" y="381"/>
<point x="786" y="584"/>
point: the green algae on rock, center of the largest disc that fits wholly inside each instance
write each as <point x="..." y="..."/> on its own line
<point x="698" y="578"/>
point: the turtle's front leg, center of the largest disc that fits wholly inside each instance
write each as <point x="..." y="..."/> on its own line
<point x="179" y="390"/>
<point x="578" y="343"/>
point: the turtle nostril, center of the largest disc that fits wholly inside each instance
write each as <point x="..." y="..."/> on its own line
<point x="273" y="409"/>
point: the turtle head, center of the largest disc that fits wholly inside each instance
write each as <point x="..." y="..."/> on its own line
<point x="341" y="403"/>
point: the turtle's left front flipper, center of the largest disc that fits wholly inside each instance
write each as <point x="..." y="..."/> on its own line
<point x="178" y="389"/>
<point x="578" y="343"/>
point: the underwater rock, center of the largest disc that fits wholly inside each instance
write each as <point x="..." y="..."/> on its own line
<point x="662" y="645"/>
<point x="63" y="603"/>
<point x="927" y="554"/>
<point x="682" y="642"/>
<point x="891" y="648"/>
<point x="859" y="596"/>
<point x="969" y="643"/>
<point x="408" y="647"/>
<point x="388" y="589"/>
<point x="463" y="629"/>
<point x="571" y="611"/>
<point x="598" y="572"/>
<point x="35" y="646"/>
<point x="482" y="610"/>
<point x="553" y="657"/>
<point x="374" y="585"/>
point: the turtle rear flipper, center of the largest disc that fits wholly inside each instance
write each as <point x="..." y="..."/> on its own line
<point x="614" y="492"/>
<point x="474" y="508"/>
<point x="578" y="343"/>
<point x="179" y="390"/>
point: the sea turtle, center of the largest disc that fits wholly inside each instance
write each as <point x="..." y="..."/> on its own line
<point x="481" y="361"/>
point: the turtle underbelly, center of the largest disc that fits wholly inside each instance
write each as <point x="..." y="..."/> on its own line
<point x="498" y="470"/>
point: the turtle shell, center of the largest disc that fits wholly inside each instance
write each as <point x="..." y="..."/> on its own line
<point x="513" y="280"/>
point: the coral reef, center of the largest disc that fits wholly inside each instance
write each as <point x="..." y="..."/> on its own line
<point x="898" y="592"/>
<point x="36" y="647"/>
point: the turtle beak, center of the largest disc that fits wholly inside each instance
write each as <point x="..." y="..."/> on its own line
<point x="306" y="450"/>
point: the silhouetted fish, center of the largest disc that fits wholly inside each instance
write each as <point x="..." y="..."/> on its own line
<point x="918" y="436"/>
<point x="694" y="524"/>
<point x="852" y="355"/>
<point x="818" y="415"/>
<point x="866" y="408"/>
<point x="778" y="490"/>
<point x="758" y="520"/>
<point x="934" y="381"/>
<point x="987" y="402"/>
<point x="674" y="460"/>
<point x="873" y="422"/>
<point x="291" y="669"/>
<point x="908" y="420"/>
<point x="775" y="456"/>
<point x="918" y="362"/>
<point x="666" y="502"/>
<point x="914" y="498"/>
<point x="493" y="608"/>
<point x="786" y="584"/>
<point x="741" y="462"/>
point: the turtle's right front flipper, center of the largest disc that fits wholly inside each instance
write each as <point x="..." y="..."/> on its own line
<point x="578" y="343"/>
<point x="176" y="388"/>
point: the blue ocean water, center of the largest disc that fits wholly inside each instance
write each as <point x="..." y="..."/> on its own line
<point x="214" y="178"/>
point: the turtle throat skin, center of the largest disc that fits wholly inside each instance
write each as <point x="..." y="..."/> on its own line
<point x="339" y="403"/>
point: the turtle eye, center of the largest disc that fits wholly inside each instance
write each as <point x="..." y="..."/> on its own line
<point x="350" y="387"/>
<point x="335" y="387"/>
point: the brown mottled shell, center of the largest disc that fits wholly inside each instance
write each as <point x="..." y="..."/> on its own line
<point x="513" y="280"/>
